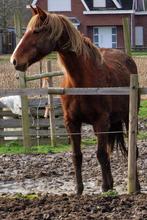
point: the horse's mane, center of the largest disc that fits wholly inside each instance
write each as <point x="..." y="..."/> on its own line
<point x="55" y="25"/>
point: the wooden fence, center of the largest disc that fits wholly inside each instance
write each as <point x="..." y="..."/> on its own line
<point x="39" y="127"/>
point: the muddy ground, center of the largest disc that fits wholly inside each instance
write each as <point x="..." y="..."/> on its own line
<point x="52" y="178"/>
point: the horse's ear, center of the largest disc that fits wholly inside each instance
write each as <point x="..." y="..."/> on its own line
<point x="42" y="13"/>
<point x="34" y="10"/>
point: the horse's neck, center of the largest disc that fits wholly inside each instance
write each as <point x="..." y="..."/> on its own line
<point x="80" y="71"/>
<point x="73" y="67"/>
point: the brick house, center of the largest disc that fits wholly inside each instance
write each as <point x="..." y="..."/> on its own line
<point x="101" y="20"/>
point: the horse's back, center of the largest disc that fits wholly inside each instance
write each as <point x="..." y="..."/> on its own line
<point x="120" y="65"/>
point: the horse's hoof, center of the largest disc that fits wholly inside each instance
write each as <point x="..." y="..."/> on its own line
<point x="138" y="188"/>
<point x="79" y="190"/>
<point x="106" y="188"/>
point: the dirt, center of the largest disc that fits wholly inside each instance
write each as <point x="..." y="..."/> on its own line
<point x="71" y="207"/>
<point x="51" y="177"/>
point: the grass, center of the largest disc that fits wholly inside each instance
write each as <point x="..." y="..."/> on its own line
<point x="88" y="142"/>
<point x="109" y="193"/>
<point x="139" y="53"/>
<point x="143" y="110"/>
<point x="142" y="135"/>
<point x="142" y="116"/>
<point x="14" y="147"/>
<point x="32" y="196"/>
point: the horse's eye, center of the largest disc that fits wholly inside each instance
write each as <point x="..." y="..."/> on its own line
<point x="36" y="31"/>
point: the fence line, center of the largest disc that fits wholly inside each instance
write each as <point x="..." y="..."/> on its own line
<point x="66" y="134"/>
<point x="70" y="91"/>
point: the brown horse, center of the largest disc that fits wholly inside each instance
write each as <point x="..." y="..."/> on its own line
<point x="84" y="65"/>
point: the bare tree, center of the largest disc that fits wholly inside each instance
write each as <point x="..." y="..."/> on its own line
<point x="8" y="8"/>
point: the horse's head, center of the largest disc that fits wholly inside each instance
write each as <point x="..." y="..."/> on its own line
<point x="36" y="43"/>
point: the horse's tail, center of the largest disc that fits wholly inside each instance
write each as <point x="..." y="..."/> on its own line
<point x="116" y="136"/>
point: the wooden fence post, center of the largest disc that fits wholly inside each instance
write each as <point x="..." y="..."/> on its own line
<point x="133" y="119"/>
<point x="51" y="108"/>
<point x="1" y="129"/>
<point x="25" y="112"/>
<point x="40" y="72"/>
<point x="127" y="38"/>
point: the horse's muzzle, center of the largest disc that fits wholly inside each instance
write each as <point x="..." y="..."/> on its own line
<point x="19" y="67"/>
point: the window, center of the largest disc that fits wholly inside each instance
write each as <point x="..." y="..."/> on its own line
<point x="105" y="37"/>
<point x="141" y="5"/>
<point x="145" y="5"/>
<point x="99" y="3"/>
<point x="139" y="36"/>
<point x="96" y="36"/>
<point x="59" y="5"/>
<point x="114" y="37"/>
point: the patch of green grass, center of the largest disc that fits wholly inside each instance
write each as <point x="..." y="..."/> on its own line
<point x="139" y="53"/>
<point x="90" y="141"/>
<point x="45" y="149"/>
<point x="12" y="147"/>
<point x="27" y="196"/>
<point x="15" y="148"/>
<point x="142" y="135"/>
<point x="110" y="193"/>
<point x="143" y="109"/>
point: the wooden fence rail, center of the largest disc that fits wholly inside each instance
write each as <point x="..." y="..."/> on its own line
<point x="70" y="91"/>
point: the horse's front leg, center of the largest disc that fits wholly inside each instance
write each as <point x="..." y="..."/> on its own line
<point x="74" y="130"/>
<point x="101" y="128"/>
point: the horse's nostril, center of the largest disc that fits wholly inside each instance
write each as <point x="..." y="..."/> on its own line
<point x="14" y="62"/>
